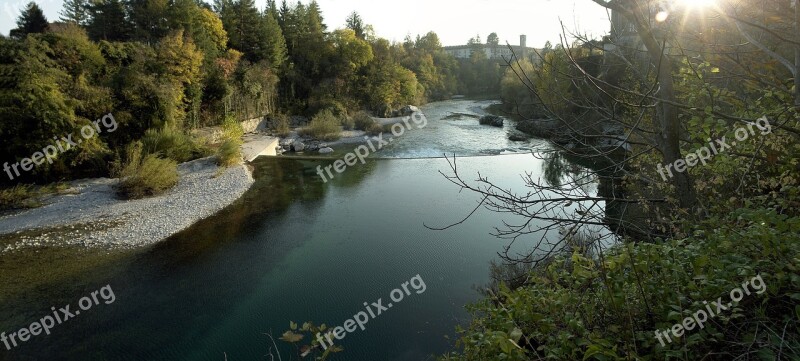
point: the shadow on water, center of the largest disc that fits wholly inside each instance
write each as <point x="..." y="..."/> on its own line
<point x="285" y="190"/>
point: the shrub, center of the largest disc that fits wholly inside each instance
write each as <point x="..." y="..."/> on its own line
<point x="230" y="153"/>
<point x="280" y="125"/>
<point x="231" y="128"/>
<point x="324" y="126"/>
<point x="608" y="308"/>
<point x="374" y="129"/>
<point x="363" y="121"/>
<point x="18" y="197"/>
<point x="171" y="143"/>
<point x="144" y="175"/>
<point x="348" y="123"/>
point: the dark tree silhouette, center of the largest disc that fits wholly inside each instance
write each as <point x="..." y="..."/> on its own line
<point x="31" y="21"/>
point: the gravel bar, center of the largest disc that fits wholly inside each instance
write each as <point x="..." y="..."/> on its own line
<point x="201" y="192"/>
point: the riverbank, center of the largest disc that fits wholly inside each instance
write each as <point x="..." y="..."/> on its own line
<point x="93" y="216"/>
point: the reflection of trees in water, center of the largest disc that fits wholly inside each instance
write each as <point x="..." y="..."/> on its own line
<point x="559" y="168"/>
<point x="279" y="183"/>
<point x="569" y="208"/>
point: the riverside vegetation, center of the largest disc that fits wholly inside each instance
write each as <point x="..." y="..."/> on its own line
<point x="682" y="241"/>
<point x="165" y="70"/>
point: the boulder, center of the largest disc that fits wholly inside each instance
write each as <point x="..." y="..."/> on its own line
<point x="493" y="120"/>
<point x="542" y="128"/>
<point x="298" y="146"/>
<point x="326" y="150"/>
<point x="517" y="136"/>
<point x="408" y="110"/>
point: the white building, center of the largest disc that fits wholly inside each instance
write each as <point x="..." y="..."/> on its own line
<point x="498" y="52"/>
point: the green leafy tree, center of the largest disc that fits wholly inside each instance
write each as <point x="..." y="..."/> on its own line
<point x="209" y="34"/>
<point x="493" y="40"/>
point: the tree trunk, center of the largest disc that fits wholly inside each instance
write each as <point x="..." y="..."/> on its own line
<point x="668" y="113"/>
<point x="797" y="55"/>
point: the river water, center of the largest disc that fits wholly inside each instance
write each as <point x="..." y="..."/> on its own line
<point x="295" y="248"/>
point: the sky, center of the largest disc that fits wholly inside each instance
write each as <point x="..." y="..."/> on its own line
<point x="455" y="21"/>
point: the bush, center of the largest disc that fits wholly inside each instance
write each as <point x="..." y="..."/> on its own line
<point x="585" y="308"/>
<point x="348" y="123"/>
<point x="230" y="153"/>
<point x="231" y="128"/>
<point x="280" y="125"/>
<point x="18" y="197"/>
<point x="171" y="143"/>
<point x="374" y="129"/>
<point x="363" y="121"/>
<point x="144" y="175"/>
<point x="324" y="126"/>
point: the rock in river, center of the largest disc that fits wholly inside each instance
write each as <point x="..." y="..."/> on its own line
<point x="493" y="120"/>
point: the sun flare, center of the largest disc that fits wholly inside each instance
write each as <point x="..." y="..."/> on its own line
<point x="696" y="4"/>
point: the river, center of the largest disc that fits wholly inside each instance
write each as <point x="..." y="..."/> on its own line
<point x="295" y="248"/>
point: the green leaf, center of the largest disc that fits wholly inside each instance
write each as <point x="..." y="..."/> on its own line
<point x="516" y="334"/>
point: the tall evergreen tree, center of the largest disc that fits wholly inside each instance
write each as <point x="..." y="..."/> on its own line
<point x="30" y="21"/>
<point x="257" y="37"/>
<point x="150" y="19"/>
<point x="276" y="52"/>
<point x="316" y="24"/>
<point x="284" y="13"/>
<point x="355" y="23"/>
<point x="272" y="9"/>
<point x="108" y="21"/>
<point x="75" y="11"/>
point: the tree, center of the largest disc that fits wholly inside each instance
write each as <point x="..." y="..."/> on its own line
<point x="275" y="52"/>
<point x="351" y="51"/>
<point x="355" y="23"/>
<point x="76" y="12"/>
<point x="150" y="19"/>
<point x="493" y="40"/>
<point x="246" y="30"/>
<point x="30" y="21"/>
<point x="669" y="137"/>
<point x="108" y="21"/>
<point x="209" y="34"/>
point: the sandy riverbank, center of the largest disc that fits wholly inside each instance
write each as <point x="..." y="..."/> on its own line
<point x="95" y="217"/>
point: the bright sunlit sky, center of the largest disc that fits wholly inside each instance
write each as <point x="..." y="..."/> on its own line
<point x="456" y="21"/>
